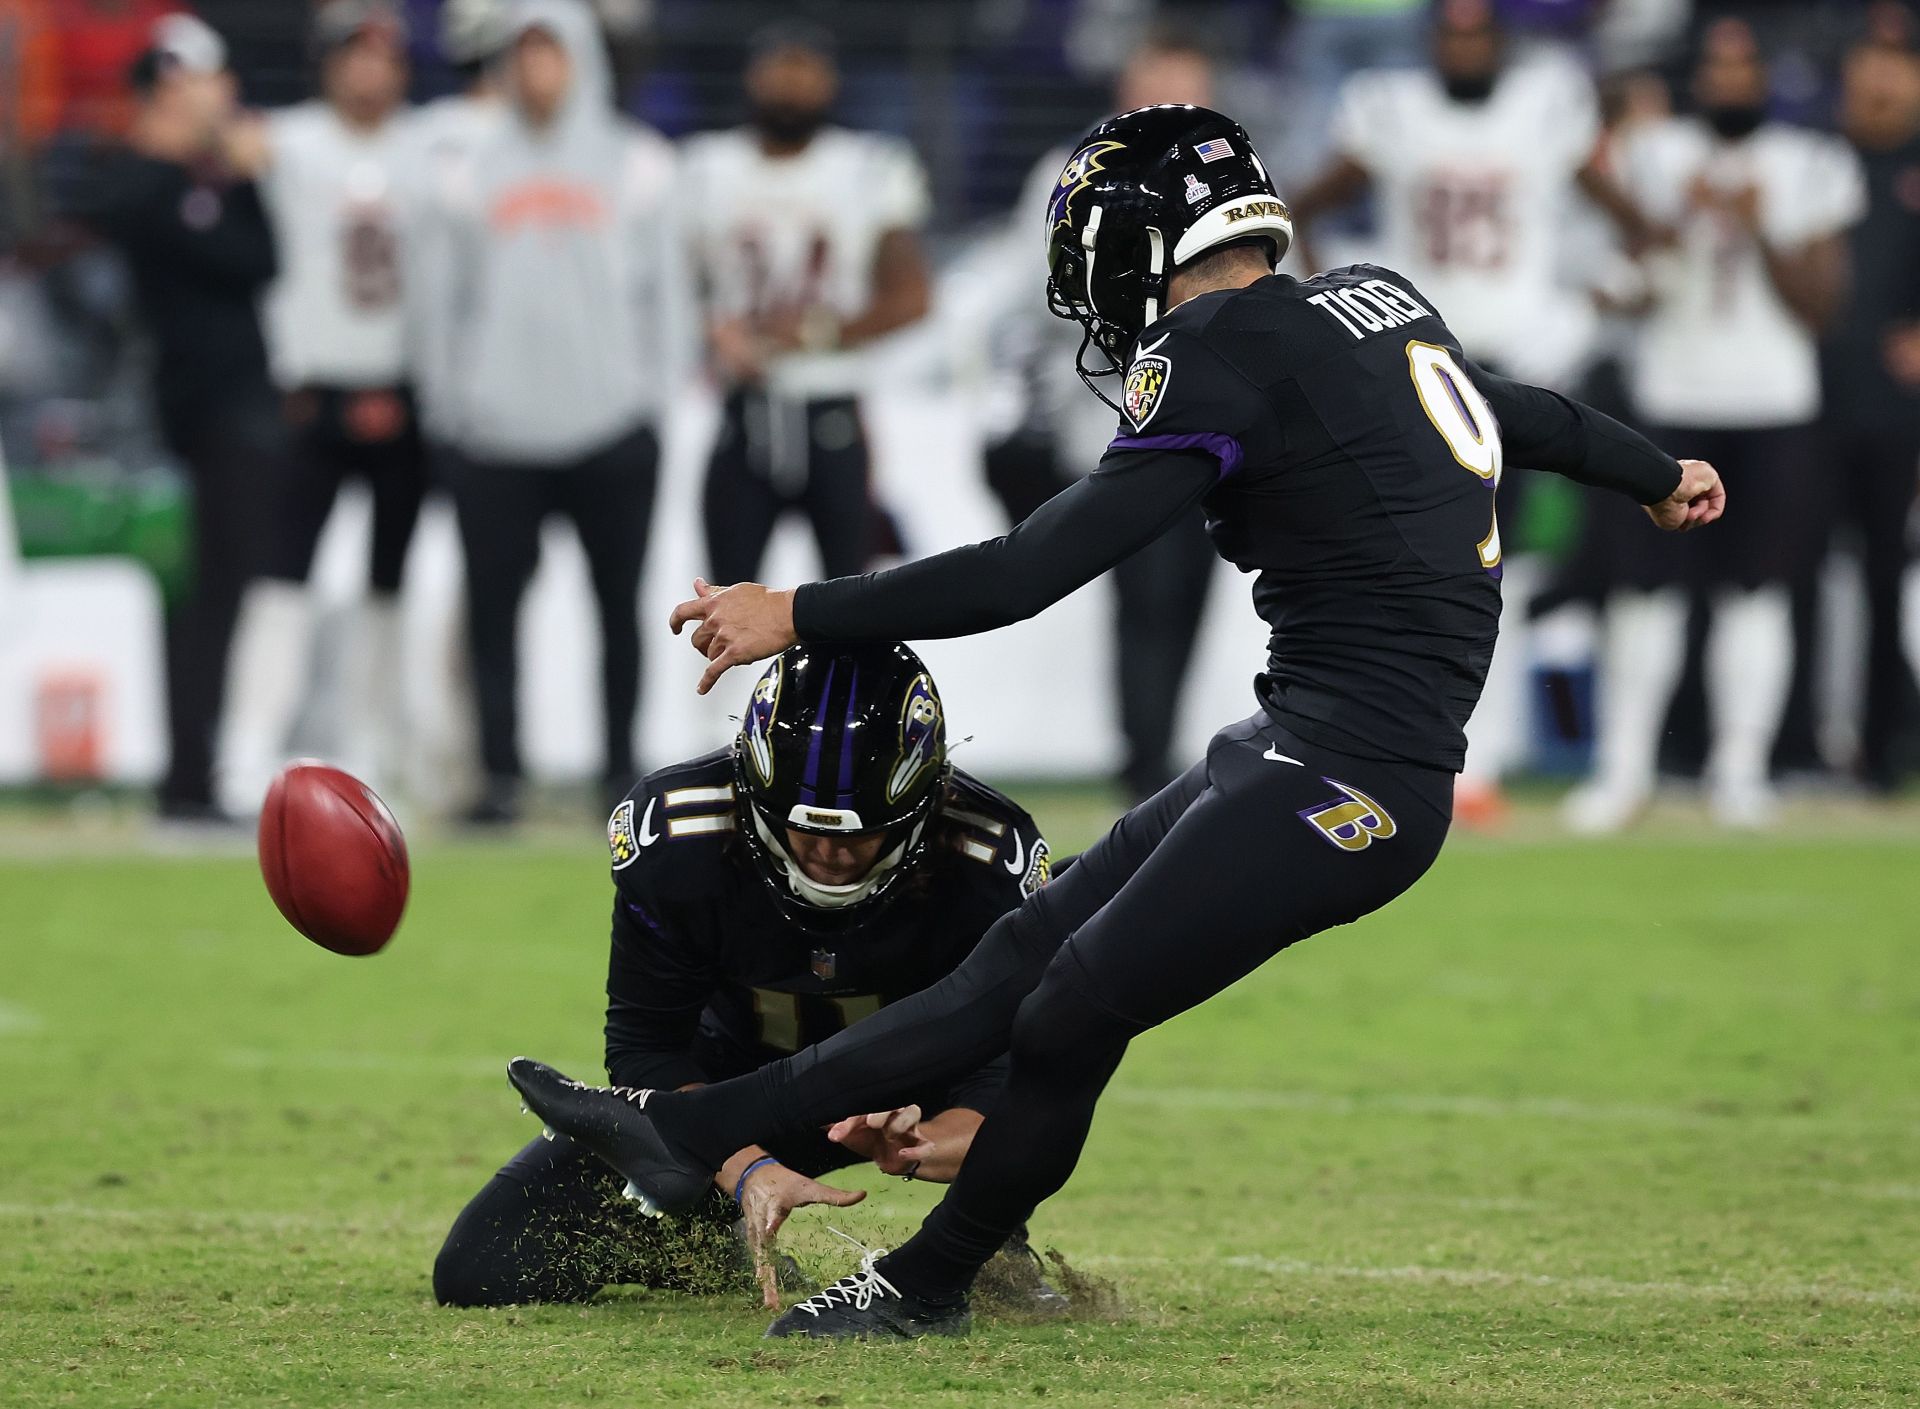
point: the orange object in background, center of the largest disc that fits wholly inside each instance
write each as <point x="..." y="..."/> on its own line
<point x="70" y="722"/>
<point x="32" y="89"/>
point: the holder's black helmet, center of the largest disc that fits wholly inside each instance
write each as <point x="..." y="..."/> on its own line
<point x="837" y="740"/>
<point x="1143" y="193"/>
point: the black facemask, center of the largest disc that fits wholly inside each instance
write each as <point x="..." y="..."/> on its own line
<point x="787" y="125"/>
<point x="1468" y="88"/>
<point x="1734" y="120"/>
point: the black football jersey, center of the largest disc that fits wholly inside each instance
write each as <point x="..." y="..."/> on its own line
<point x="1358" y="465"/>
<point x="708" y="979"/>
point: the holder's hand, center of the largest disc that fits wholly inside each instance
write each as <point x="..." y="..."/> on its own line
<point x="737" y="625"/>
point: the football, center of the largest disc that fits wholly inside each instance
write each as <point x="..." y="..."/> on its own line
<point x="333" y="858"/>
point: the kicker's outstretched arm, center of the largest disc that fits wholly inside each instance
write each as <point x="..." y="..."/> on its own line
<point x="1544" y="430"/>
<point x="1128" y="501"/>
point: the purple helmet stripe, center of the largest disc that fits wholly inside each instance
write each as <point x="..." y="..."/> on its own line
<point x="844" y="797"/>
<point x="810" y="780"/>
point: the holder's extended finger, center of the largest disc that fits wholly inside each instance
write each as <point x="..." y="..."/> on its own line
<point x="694" y="609"/>
<point x="710" y="677"/>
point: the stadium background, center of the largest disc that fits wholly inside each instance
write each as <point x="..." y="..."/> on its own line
<point x="981" y="89"/>
<point x="1574" y="1123"/>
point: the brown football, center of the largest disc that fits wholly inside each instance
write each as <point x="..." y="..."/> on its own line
<point x="333" y="858"/>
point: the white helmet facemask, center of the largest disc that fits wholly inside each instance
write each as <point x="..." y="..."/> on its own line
<point x="826" y="897"/>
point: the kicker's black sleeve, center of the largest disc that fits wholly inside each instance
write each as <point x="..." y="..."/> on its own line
<point x="1543" y="430"/>
<point x="657" y="986"/>
<point x="1127" y="502"/>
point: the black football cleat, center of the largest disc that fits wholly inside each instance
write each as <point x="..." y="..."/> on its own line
<point x="864" y="1305"/>
<point x="611" y="1121"/>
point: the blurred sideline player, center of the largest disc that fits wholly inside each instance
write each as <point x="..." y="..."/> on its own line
<point x="330" y="170"/>
<point x="445" y="132"/>
<point x="1161" y="591"/>
<point x="807" y="244"/>
<point x="827" y="863"/>
<point x="1726" y="365"/>
<point x="1347" y="451"/>
<point x="1870" y="366"/>
<point x="1474" y="162"/>
<point x="200" y="250"/>
<point x="559" y="306"/>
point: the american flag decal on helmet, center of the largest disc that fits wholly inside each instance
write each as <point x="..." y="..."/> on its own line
<point x="1213" y="149"/>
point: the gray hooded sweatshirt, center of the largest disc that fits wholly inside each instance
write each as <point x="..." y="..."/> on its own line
<point x="552" y="288"/>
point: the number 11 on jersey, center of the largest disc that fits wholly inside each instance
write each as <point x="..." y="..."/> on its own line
<point x="1465" y="421"/>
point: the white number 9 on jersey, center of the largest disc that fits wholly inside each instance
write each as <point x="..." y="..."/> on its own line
<point x="1465" y="421"/>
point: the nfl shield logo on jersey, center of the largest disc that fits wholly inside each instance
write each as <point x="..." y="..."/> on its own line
<point x="1146" y="381"/>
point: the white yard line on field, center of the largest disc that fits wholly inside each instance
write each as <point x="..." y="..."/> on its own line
<point x="1203" y="1098"/>
<point x="1225" y="1098"/>
<point x="264" y="1059"/>
<point x="1577" y="1285"/>
<point x="201" y="1219"/>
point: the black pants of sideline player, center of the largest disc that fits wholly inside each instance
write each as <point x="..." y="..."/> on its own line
<point x="1870" y="477"/>
<point x="1266" y="841"/>
<point x="233" y="454"/>
<point x="608" y="497"/>
<point x="341" y="434"/>
<point x="774" y="456"/>
<point x="1162" y="592"/>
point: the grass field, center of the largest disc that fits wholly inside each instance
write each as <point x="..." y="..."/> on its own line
<point x="1627" y="1124"/>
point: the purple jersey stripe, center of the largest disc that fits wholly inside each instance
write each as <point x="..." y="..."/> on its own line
<point x="810" y="780"/>
<point x="1223" y="448"/>
<point x="844" y="797"/>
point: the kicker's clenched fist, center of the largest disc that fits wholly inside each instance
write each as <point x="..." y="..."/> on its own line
<point x="1698" y="500"/>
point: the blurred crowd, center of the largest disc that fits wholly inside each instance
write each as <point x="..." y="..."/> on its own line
<point x="446" y="249"/>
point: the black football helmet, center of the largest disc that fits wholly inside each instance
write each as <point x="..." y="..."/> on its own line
<point x="1142" y="194"/>
<point x="835" y="740"/>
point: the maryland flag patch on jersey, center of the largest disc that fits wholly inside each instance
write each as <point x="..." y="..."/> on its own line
<point x="1146" y="385"/>
<point x="620" y="837"/>
<point x="1039" y="869"/>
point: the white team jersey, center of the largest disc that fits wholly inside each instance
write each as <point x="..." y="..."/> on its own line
<point x="333" y="315"/>
<point x="446" y="131"/>
<point x="784" y="233"/>
<point x="1472" y="198"/>
<point x="1721" y="348"/>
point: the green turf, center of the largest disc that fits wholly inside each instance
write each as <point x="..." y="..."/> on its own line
<point x="1630" y="1124"/>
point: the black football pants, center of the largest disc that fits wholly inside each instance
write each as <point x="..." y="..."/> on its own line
<point x="608" y="497"/>
<point x="1162" y="592"/>
<point x="234" y="456"/>
<point x="1872" y="477"/>
<point x="553" y="1225"/>
<point x="331" y="446"/>
<point x="776" y="455"/>
<point x="1268" y="840"/>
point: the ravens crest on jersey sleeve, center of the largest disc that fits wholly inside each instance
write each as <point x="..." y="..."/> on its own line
<point x="1146" y="380"/>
